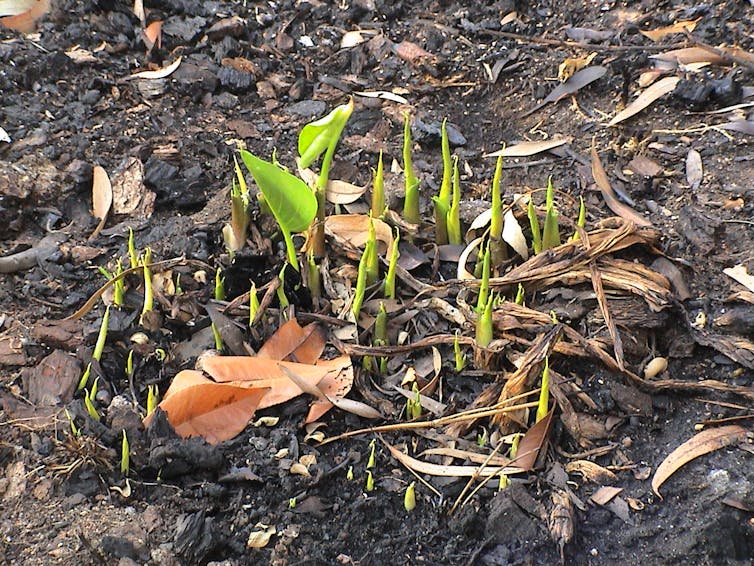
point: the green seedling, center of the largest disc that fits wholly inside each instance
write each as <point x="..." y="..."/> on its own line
<point x="84" y="380"/>
<point x="411" y="201"/>
<point x="291" y="202"/>
<point x="99" y="346"/>
<point x="133" y="257"/>
<point x="460" y="357"/>
<point x="146" y="260"/>
<point x="349" y="473"/>
<point x="362" y="278"/>
<point x="313" y="280"/>
<point x="92" y="394"/>
<point x="125" y="458"/>
<point x="482" y="438"/>
<point x="581" y="221"/>
<point x="90" y="408"/>
<point x="160" y="354"/>
<point x="74" y="429"/>
<point x="496" y="218"/>
<point x="414" y="406"/>
<point x="178" y="288"/>
<point x="553" y="317"/>
<point x="292" y="503"/>
<point x="551" y="231"/>
<point x="520" y="295"/>
<point x="119" y="287"/>
<point x="442" y="200"/>
<point x="454" y="212"/>
<point x="504" y="482"/>
<point x="219" y="285"/>
<point x="373" y="258"/>
<point x="153" y="398"/>
<point x="316" y="138"/>
<point x="378" y="191"/>
<point x="217" y="337"/>
<point x="130" y="363"/>
<point x="391" y="268"/>
<point x="280" y="291"/>
<point x="253" y="303"/>
<point x="409" y="498"/>
<point x="514" y="446"/>
<point x="372" y="461"/>
<point x="379" y="334"/>
<point x="234" y="234"/>
<point x="484" y="325"/>
<point x="536" y="235"/>
<point x="544" y="392"/>
<point x="370" y="481"/>
<point x="484" y="287"/>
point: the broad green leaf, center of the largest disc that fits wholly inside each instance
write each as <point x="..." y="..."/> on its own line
<point x="291" y="201"/>
<point x="317" y="136"/>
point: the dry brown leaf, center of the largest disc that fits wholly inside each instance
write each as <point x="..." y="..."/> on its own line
<point x="690" y="55"/>
<point x="534" y="443"/>
<point x="605" y="494"/>
<point x="352" y="230"/>
<point x="525" y="149"/>
<point x="293" y="343"/>
<point x="139" y="11"/>
<point x="342" y="192"/>
<point x="260" y="538"/>
<point x="622" y="210"/>
<point x="703" y="443"/>
<point x="650" y="94"/>
<point x="413" y="53"/>
<point x="694" y="169"/>
<point x="152" y="35"/>
<point x="24" y="14"/>
<point x="591" y="471"/>
<point x="571" y="86"/>
<point x="159" y="73"/>
<point x="740" y="275"/>
<point x="130" y="195"/>
<point x="102" y="197"/>
<point x="678" y="27"/>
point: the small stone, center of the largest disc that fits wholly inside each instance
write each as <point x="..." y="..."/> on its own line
<point x="307" y="108"/>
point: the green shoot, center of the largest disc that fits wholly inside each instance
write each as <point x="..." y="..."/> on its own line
<point x="84" y="380"/>
<point x="160" y="354"/>
<point x="132" y="255"/>
<point x="442" y="200"/>
<point x="496" y="221"/>
<point x="74" y="429"/>
<point x="454" y="212"/>
<point x="553" y="317"/>
<point x="370" y="481"/>
<point x="459" y="356"/>
<point x="119" y="288"/>
<point x="292" y="503"/>
<point x="551" y="231"/>
<point x="280" y="291"/>
<point x="315" y="138"/>
<point x="124" y="455"/>
<point x="372" y="461"/>
<point x="99" y="346"/>
<point x="411" y="202"/>
<point x="581" y="222"/>
<point x="414" y="406"/>
<point x="219" y="285"/>
<point x="178" y="288"/>
<point x="484" y="288"/>
<point x="93" y="393"/>
<point x="514" y="446"/>
<point x="482" y="438"/>
<point x="153" y="398"/>
<point x="313" y="282"/>
<point x="378" y="191"/>
<point x="504" y="482"/>
<point x="291" y="202"/>
<point x="361" y="279"/>
<point x="234" y="234"/>
<point x="373" y="259"/>
<point x="409" y="498"/>
<point x="536" y="236"/>
<point x="391" y="268"/>
<point x="253" y="303"/>
<point x="484" y="331"/>
<point x="379" y="335"/>
<point x="148" y="293"/>
<point x="90" y="408"/>
<point x="349" y="473"/>
<point x="218" y="338"/>
<point x="520" y="295"/>
<point x="544" y="393"/>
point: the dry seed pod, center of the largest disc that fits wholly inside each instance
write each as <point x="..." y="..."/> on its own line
<point x="655" y="367"/>
<point x="561" y="520"/>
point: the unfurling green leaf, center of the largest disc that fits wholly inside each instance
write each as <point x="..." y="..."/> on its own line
<point x="125" y="456"/>
<point x="544" y="392"/>
<point x="102" y="336"/>
<point x="322" y="134"/>
<point x="496" y="220"/>
<point x="442" y="200"/>
<point x="411" y="202"/>
<point x="392" y="266"/>
<point x="536" y="235"/>
<point x="378" y="191"/>
<point x="454" y="212"/>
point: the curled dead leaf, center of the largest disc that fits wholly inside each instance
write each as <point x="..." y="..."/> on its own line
<point x="102" y="197"/>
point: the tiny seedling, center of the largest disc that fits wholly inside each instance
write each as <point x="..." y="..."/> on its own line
<point x="146" y="260"/>
<point x="178" y="288"/>
<point x="153" y="398"/>
<point x="125" y="458"/>
<point x="378" y="191"/>
<point x="581" y="221"/>
<point x="133" y="257"/>
<point x="409" y="498"/>
<point x="253" y="303"/>
<point x="99" y="346"/>
<point x="292" y="503"/>
<point x="90" y="408"/>
<point x="442" y="200"/>
<point x="520" y="295"/>
<point x="544" y="392"/>
<point x="484" y="325"/>
<point x="484" y="287"/>
<point x="372" y="461"/>
<point x="496" y="218"/>
<point x="92" y="394"/>
<point x="280" y="291"/>
<point x="379" y="334"/>
<point x="319" y="137"/>
<point x="349" y="473"/>
<point x="362" y="278"/>
<point x="219" y="285"/>
<point x="392" y="267"/>
<point x="234" y="234"/>
<point x="130" y="363"/>
<point x="291" y="202"/>
<point x="454" y="212"/>
<point x="513" y="452"/>
<point x="373" y="258"/>
<point x="411" y="201"/>
<point x="536" y="235"/>
<point x="460" y="357"/>
<point x="551" y="230"/>
<point x="84" y="380"/>
<point x="482" y="438"/>
<point x="370" y="481"/>
<point x="74" y="429"/>
<point x="414" y="406"/>
<point x="504" y="482"/>
<point x="119" y="286"/>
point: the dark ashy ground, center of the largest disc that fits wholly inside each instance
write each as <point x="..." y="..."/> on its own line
<point x="255" y="72"/>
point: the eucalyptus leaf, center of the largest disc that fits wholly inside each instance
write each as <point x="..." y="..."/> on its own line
<point x="291" y="201"/>
<point x="317" y="136"/>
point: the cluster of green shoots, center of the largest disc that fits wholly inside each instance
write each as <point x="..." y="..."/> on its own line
<point x="409" y="496"/>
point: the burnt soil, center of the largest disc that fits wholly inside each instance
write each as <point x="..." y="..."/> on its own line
<point x="191" y="503"/>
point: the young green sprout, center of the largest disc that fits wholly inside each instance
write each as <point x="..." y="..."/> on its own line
<point x="373" y="259"/>
<point x="133" y="257"/>
<point x="119" y="286"/>
<point x="581" y="221"/>
<point x="362" y="278"/>
<point x="389" y="289"/>
<point x="349" y="473"/>
<point x="130" y="363"/>
<point x="409" y="498"/>
<point x="378" y="191"/>
<point x="496" y="218"/>
<point x="289" y="199"/>
<point x="484" y="287"/>
<point x="460" y="357"/>
<point x="92" y="394"/>
<point x="124" y="455"/>
<point x="146" y="260"/>
<point x="442" y="200"/>
<point x="102" y="336"/>
<point x="292" y="503"/>
<point x="544" y="393"/>
<point x="379" y="334"/>
<point x="319" y="137"/>
<point x="90" y="408"/>
<point x="253" y="303"/>
<point x="74" y="429"/>
<point x="551" y="231"/>
<point x="178" y="288"/>
<point x="520" y="295"/>
<point x="536" y="235"/>
<point x="411" y="202"/>
<point x="414" y="406"/>
<point x="482" y="438"/>
<point x="217" y="337"/>
<point x="219" y="285"/>
<point x="234" y="234"/>
<point x="513" y="452"/>
<point x="153" y="398"/>
<point x="504" y="482"/>
<point x="454" y="212"/>
<point x="370" y="481"/>
<point x="484" y="332"/>
<point x="84" y="379"/>
<point x="372" y="461"/>
<point x="280" y="291"/>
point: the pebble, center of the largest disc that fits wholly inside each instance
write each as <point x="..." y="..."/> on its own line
<point x="308" y="108"/>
